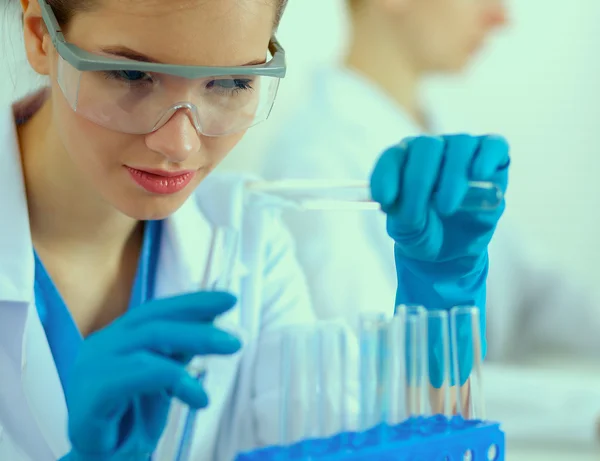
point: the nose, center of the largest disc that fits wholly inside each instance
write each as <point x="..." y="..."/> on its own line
<point x="496" y="14"/>
<point x="177" y="139"/>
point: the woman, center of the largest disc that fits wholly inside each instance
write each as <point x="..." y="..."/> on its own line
<point x="109" y="207"/>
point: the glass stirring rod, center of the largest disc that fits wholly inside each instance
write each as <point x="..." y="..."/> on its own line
<point x="310" y="194"/>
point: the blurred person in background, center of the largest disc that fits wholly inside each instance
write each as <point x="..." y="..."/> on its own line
<point x="369" y="101"/>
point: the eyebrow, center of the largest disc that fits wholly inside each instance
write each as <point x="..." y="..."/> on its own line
<point x="127" y="53"/>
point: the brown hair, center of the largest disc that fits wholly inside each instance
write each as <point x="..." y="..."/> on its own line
<point x="65" y="9"/>
<point x="354" y="5"/>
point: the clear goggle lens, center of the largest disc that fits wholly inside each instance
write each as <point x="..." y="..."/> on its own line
<point x="139" y="102"/>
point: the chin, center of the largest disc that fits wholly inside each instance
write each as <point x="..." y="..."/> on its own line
<point x="152" y="208"/>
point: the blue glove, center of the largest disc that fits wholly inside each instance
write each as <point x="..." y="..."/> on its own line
<point x="441" y="250"/>
<point x="126" y="375"/>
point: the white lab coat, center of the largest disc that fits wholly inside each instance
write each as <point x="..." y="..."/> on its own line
<point x="338" y="133"/>
<point x="243" y="388"/>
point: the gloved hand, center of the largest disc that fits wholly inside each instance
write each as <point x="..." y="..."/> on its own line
<point x="126" y="374"/>
<point x="440" y="250"/>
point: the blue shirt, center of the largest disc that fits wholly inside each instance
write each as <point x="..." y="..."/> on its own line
<point x="63" y="336"/>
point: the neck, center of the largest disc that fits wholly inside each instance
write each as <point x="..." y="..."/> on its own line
<point x="64" y="213"/>
<point x="383" y="61"/>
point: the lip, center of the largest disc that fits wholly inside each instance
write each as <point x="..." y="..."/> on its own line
<point x="165" y="173"/>
<point x="161" y="182"/>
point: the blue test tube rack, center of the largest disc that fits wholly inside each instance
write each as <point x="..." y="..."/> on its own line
<point x="435" y="438"/>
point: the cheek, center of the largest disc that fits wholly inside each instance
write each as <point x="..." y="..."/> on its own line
<point x="449" y="21"/>
<point x="217" y="148"/>
<point x="446" y="35"/>
<point x="94" y="151"/>
<point x="88" y="145"/>
<point x="464" y="18"/>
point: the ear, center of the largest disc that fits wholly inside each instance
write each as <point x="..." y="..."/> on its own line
<point x="37" y="40"/>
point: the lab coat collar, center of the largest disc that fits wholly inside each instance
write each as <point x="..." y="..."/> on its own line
<point x="16" y="264"/>
<point x="28" y="345"/>
<point x="17" y="310"/>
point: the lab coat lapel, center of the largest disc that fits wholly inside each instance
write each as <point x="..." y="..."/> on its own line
<point x="44" y="395"/>
<point x="40" y="400"/>
<point x="16" y="265"/>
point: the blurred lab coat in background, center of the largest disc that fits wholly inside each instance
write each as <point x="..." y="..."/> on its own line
<point x="336" y="134"/>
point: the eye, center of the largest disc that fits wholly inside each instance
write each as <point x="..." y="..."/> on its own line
<point x="130" y="76"/>
<point x="231" y="84"/>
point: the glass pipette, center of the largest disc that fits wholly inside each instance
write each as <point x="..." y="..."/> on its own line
<point x="310" y="194"/>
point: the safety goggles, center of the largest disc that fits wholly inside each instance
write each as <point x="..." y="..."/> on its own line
<point x="139" y="97"/>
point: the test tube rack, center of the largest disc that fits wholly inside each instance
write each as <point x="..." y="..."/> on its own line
<point x="435" y="438"/>
<point x="405" y="364"/>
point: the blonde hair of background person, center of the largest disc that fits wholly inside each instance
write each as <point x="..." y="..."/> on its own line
<point x="367" y="102"/>
<point x="109" y="208"/>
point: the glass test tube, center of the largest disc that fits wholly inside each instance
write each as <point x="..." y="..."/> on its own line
<point x="467" y="357"/>
<point x="307" y="194"/>
<point x="410" y="366"/>
<point x="393" y="374"/>
<point x="218" y="275"/>
<point x="397" y="369"/>
<point x="374" y="382"/>
<point x="404" y="367"/>
<point x="419" y="364"/>
<point x="313" y="388"/>
<point x="411" y="353"/>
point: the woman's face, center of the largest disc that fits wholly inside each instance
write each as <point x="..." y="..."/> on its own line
<point x="185" y="32"/>
<point x="444" y="34"/>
